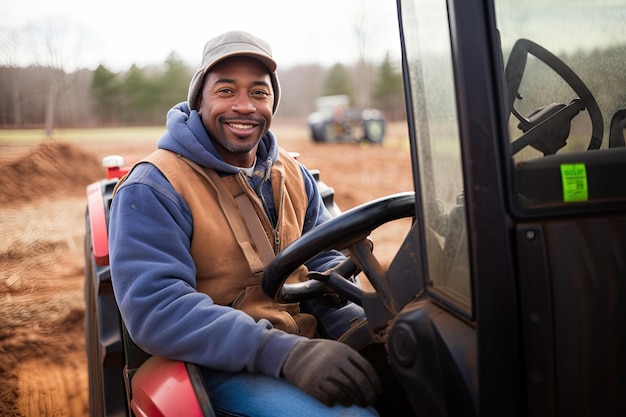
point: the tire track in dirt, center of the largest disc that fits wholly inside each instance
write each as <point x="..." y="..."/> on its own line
<point x="52" y="389"/>
<point x="43" y="368"/>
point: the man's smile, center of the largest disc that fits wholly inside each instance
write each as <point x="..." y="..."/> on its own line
<point x="240" y="125"/>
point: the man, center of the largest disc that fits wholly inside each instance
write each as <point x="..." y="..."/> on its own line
<point x="186" y="266"/>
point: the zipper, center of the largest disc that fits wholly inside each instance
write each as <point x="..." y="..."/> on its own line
<point x="276" y="240"/>
<point x="281" y="201"/>
<point x="268" y="173"/>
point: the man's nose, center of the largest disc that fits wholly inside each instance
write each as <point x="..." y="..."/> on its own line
<point x="243" y="104"/>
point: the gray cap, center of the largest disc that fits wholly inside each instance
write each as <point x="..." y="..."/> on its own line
<point x="227" y="45"/>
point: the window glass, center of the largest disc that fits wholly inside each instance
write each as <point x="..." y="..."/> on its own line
<point x="566" y="61"/>
<point x="438" y="149"/>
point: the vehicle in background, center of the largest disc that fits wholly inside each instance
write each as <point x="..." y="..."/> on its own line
<point x="335" y="121"/>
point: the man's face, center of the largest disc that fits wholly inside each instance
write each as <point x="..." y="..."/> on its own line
<point x="236" y="107"/>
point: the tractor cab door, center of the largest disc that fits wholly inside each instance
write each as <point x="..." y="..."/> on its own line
<point x="516" y="118"/>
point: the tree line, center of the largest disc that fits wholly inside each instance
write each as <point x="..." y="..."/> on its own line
<point x="39" y="96"/>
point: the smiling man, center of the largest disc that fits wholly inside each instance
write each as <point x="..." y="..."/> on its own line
<point x="186" y="268"/>
<point x="235" y="106"/>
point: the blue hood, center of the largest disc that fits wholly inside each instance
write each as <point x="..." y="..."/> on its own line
<point x="187" y="136"/>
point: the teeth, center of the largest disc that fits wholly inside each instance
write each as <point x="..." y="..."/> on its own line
<point x="240" y="126"/>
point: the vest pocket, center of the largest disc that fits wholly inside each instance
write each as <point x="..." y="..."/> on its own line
<point x="286" y="317"/>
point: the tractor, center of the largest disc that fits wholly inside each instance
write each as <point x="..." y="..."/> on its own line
<point x="506" y="295"/>
<point x="336" y="121"/>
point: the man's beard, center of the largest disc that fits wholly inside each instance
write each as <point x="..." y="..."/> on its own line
<point x="236" y="146"/>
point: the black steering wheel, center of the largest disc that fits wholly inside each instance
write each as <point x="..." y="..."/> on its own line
<point x="347" y="232"/>
<point x="548" y="128"/>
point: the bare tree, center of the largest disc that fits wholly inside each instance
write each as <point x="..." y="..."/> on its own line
<point x="50" y="44"/>
<point x="363" y="70"/>
<point x="53" y="39"/>
<point x="10" y="45"/>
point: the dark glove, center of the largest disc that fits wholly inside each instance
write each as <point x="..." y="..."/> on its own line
<point x="332" y="372"/>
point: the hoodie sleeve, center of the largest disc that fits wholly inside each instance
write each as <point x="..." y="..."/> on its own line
<point x="153" y="278"/>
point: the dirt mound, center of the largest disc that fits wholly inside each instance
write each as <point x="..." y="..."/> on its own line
<point x="51" y="169"/>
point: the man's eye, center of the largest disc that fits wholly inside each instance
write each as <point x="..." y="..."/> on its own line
<point x="225" y="91"/>
<point x="261" y="93"/>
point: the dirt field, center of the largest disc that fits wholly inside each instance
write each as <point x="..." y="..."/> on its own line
<point x="43" y="369"/>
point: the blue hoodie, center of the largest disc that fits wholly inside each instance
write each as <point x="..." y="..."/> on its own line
<point x="153" y="274"/>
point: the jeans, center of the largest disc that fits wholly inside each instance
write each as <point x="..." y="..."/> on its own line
<point x="249" y="395"/>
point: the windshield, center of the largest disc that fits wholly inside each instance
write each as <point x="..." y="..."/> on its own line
<point x="428" y="52"/>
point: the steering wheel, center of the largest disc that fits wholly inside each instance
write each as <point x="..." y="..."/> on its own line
<point x="547" y="130"/>
<point x="347" y="232"/>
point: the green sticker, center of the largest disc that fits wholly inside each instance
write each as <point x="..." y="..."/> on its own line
<point x="574" y="178"/>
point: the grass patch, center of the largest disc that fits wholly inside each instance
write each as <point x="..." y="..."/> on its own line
<point x="112" y="134"/>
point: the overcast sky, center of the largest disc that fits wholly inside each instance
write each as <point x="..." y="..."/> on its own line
<point x="118" y="33"/>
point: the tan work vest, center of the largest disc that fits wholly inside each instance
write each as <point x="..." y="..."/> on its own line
<point x="229" y="269"/>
